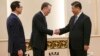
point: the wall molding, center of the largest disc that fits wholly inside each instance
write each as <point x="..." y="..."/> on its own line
<point x="53" y="38"/>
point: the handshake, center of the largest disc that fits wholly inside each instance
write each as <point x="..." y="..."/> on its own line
<point x="57" y="31"/>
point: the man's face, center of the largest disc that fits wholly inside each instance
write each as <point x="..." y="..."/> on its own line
<point x="75" y="10"/>
<point x="19" y="9"/>
<point x="47" y="10"/>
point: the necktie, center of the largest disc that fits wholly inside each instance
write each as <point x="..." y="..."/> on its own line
<point x="75" y="19"/>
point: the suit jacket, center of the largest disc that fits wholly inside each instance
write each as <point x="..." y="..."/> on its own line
<point x="79" y="33"/>
<point x="16" y="38"/>
<point x="39" y="32"/>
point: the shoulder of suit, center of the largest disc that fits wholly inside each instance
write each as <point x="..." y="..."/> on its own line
<point x="12" y="18"/>
<point x="72" y="17"/>
<point x="85" y="15"/>
<point x="38" y="14"/>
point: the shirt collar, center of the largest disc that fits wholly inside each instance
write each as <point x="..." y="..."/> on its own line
<point x="14" y="13"/>
<point x="79" y="14"/>
<point x="42" y="13"/>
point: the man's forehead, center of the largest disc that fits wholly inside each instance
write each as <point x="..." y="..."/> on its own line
<point x="49" y="6"/>
<point x="74" y="7"/>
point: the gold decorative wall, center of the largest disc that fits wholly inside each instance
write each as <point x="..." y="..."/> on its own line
<point x="53" y="43"/>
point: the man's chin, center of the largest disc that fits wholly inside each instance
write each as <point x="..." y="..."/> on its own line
<point x="19" y="13"/>
<point x="46" y="15"/>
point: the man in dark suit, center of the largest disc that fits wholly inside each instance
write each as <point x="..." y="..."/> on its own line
<point x="16" y="40"/>
<point x="38" y="39"/>
<point x="79" y="29"/>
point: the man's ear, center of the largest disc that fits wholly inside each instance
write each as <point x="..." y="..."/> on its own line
<point x="17" y="8"/>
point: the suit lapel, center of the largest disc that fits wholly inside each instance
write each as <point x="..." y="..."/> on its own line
<point x="78" y="20"/>
<point x="72" y="21"/>
<point x="44" y="19"/>
<point x="17" y="18"/>
<point x="80" y="17"/>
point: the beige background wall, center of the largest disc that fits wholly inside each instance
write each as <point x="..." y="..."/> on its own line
<point x="58" y="18"/>
<point x="98" y="16"/>
<point x="3" y="17"/>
